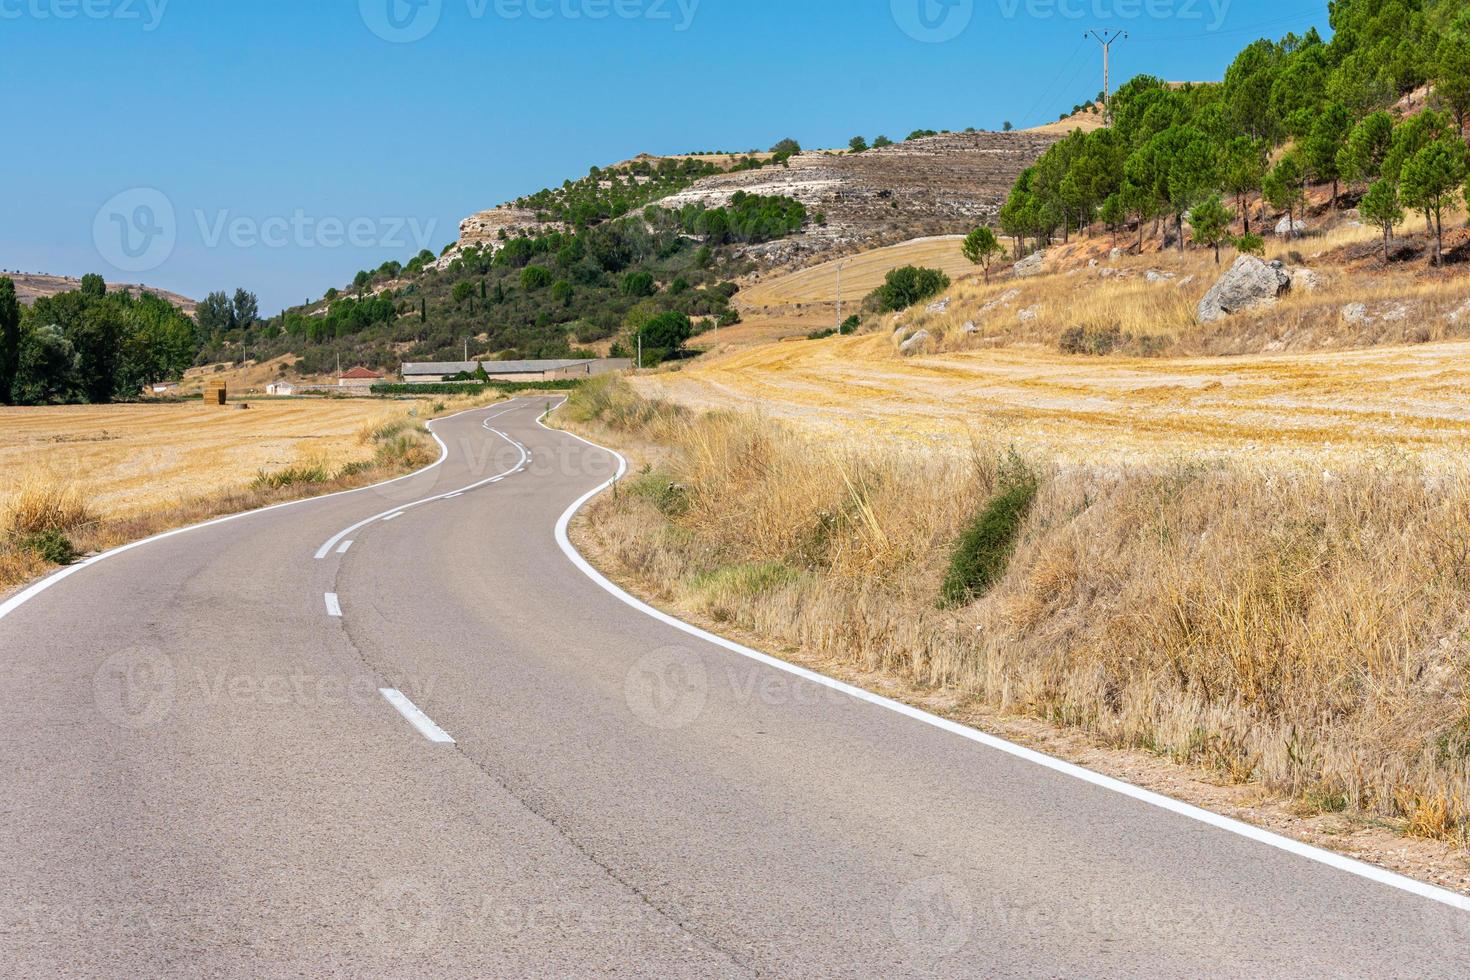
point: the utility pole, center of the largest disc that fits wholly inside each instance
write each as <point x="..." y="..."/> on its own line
<point x="1106" y="39"/>
<point x="640" y="351"/>
<point x="467" y="350"/>
<point x="839" y="295"/>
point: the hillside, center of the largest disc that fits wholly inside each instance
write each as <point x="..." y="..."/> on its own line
<point x="933" y="185"/>
<point x="30" y="287"/>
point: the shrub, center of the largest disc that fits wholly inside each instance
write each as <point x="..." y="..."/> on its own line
<point x="534" y="277"/>
<point x="1096" y="341"/>
<point x="51" y="546"/>
<point x="291" y="476"/>
<point x="850" y="325"/>
<point x="904" y="287"/>
<point x="638" y="284"/>
<point x="984" y="550"/>
<point x="1250" y="244"/>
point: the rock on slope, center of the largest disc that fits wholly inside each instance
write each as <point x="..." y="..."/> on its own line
<point x="1248" y="284"/>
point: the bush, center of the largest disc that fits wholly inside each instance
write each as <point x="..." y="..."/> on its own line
<point x="534" y="277"/>
<point x="291" y="476"/>
<point x="850" y="325"/>
<point x="983" y="552"/>
<point x="904" y="287"/>
<point x="51" y="546"/>
<point x="638" y="285"/>
<point x="1096" y="341"/>
<point x="1251" y="244"/>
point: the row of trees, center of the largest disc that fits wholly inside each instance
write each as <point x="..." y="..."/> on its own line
<point x="1289" y="113"/>
<point x="89" y="345"/>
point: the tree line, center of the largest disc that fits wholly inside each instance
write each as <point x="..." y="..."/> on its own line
<point x="1289" y="113"/>
<point x="89" y="345"/>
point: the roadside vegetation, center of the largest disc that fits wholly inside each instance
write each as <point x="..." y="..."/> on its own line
<point x="1298" y="631"/>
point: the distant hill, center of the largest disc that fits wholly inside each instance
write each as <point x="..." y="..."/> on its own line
<point x="941" y="184"/>
<point x="30" y="287"/>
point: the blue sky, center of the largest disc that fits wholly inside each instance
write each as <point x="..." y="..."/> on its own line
<point x="284" y="144"/>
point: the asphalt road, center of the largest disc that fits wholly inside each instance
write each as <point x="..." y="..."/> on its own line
<point x="202" y="776"/>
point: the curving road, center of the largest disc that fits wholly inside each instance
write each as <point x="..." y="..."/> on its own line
<point x="402" y="732"/>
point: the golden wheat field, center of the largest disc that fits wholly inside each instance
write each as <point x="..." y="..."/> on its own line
<point x="861" y="274"/>
<point x="127" y="459"/>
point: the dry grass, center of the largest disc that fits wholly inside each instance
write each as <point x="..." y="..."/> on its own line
<point x="1305" y="632"/>
<point x="1406" y="303"/>
<point x="100" y="476"/>
<point x="861" y="274"/>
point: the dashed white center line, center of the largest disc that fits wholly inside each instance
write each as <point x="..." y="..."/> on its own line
<point x="345" y="545"/>
<point x="416" y="718"/>
<point x="334" y="607"/>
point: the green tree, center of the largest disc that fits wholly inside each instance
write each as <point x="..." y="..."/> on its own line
<point x="1113" y="213"/>
<point x="787" y="146"/>
<point x="1431" y="180"/>
<point x="1285" y="188"/>
<point x="1380" y="207"/>
<point x="664" y="334"/>
<point x="858" y="144"/>
<point x="94" y="286"/>
<point x="462" y="292"/>
<point x="1243" y="168"/>
<point x="1452" y="76"/>
<point x="1210" y="221"/>
<point x="1361" y="157"/>
<point x="981" y="248"/>
<point x="9" y="339"/>
<point x="246" y="309"/>
<point x="561" y="292"/>
<point x="215" y="314"/>
<point x="881" y="142"/>
<point x="1328" y="136"/>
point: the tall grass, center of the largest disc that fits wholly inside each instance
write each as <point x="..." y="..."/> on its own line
<point x="1304" y="631"/>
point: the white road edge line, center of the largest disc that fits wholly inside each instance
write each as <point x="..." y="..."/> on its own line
<point x="21" y="598"/>
<point x="345" y="546"/>
<point x="1329" y="858"/>
<point x="392" y="517"/>
<point x="334" y="606"/>
<point x="397" y="512"/>
<point x="416" y="718"/>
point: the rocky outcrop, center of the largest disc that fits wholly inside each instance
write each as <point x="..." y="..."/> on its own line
<point x="1287" y="228"/>
<point x="914" y="343"/>
<point x="1032" y="265"/>
<point x="1249" y="284"/>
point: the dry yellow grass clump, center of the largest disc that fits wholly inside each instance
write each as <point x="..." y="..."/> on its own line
<point x="1306" y="632"/>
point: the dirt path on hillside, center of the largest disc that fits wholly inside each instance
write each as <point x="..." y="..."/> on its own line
<point x="1307" y="407"/>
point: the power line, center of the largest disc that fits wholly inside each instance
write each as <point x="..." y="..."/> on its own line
<point x="1046" y="93"/>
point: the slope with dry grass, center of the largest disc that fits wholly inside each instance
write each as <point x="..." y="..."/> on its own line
<point x="1307" y="633"/>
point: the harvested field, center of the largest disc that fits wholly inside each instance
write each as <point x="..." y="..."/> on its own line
<point x="127" y="459"/>
<point x="861" y="274"/>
